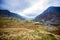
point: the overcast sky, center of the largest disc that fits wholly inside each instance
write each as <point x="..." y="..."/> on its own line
<point x="28" y="8"/>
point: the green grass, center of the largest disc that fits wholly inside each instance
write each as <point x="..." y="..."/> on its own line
<point x="1" y="20"/>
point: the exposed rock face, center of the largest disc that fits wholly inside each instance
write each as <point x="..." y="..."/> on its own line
<point x="50" y="16"/>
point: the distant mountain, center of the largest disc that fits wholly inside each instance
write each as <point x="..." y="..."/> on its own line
<point x="50" y="16"/>
<point x="6" y="13"/>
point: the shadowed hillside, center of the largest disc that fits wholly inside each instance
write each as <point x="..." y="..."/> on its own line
<point x="50" y="16"/>
<point x="6" y="13"/>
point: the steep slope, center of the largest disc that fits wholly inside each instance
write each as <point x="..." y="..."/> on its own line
<point x="6" y="13"/>
<point x="50" y="16"/>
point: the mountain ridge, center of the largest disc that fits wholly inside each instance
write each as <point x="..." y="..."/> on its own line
<point x="50" y="15"/>
<point x="6" y="13"/>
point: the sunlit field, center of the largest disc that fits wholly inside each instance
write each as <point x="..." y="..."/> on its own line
<point x="16" y="29"/>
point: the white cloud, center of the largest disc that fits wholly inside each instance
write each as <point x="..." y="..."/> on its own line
<point x="54" y="2"/>
<point x="28" y="8"/>
<point x="36" y="8"/>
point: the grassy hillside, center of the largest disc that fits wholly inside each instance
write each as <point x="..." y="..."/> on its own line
<point x="16" y="29"/>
